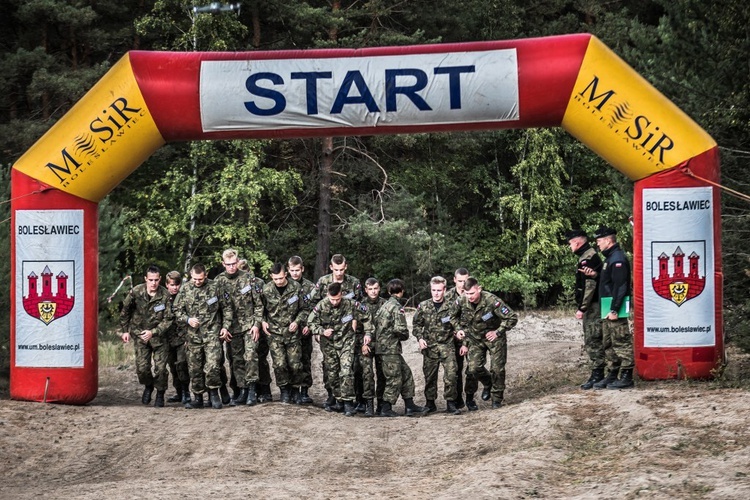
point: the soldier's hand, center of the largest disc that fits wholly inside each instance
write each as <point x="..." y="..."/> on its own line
<point x="491" y="335"/>
<point x="612" y="316"/>
<point x="255" y="333"/>
<point x="293" y="327"/>
<point x="194" y="322"/>
<point x="146" y="335"/>
<point x="306" y="331"/>
<point x="367" y="339"/>
<point x="460" y="335"/>
<point x="265" y="328"/>
<point x="225" y="335"/>
<point x="125" y="337"/>
<point x="422" y="344"/>
<point x="328" y="332"/>
<point x="579" y="314"/>
<point x="365" y="350"/>
<point x="463" y="350"/>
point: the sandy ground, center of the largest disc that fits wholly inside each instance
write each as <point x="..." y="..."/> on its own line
<point x="552" y="440"/>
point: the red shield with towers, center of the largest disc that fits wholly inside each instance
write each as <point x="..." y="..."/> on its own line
<point x="49" y="289"/>
<point x="670" y="277"/>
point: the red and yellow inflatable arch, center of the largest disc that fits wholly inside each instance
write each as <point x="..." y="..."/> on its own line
<point x="150" y="98"/>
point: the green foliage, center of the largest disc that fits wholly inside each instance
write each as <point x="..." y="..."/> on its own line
<point x="5" y="235"/>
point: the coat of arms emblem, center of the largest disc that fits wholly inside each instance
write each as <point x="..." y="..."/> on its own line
<point x="49" y="299"/>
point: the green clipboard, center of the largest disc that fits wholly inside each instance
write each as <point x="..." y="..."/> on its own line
<point x="606" y="306"/>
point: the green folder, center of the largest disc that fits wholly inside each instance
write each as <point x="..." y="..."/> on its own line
<point x="606" y="306"/>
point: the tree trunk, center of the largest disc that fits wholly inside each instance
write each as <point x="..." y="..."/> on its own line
<point x="324" y="208"/>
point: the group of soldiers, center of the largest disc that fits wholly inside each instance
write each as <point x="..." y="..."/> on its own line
<point x="195" y="327"/>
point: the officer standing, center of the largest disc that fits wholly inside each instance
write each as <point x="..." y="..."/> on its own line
<point x="614" y="285"/>
<point x="146" y="316"/>
<point x="587" y="302"/>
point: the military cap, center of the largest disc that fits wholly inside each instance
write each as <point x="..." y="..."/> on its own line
<point x="604" y="231"/>
<point x="574" y="233"/>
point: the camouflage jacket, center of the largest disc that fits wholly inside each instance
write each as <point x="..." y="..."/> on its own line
<point x="177" y="331"/>
<point x="489" y="314"/>
<point x="432" y="322"/>
<point x="308" y="289"/>
<point x="452" y="296"/>
<point x="587" y="287"/>
<point x="282" y="309"/>
<point x="372" y="310"/>
<point x="340" y="319"/>
<point x="244" y="290"/>
<point x="141" y="312"/>
<point x="209" y="304"/>
<point x="350" y="287"/>
<point x="390" y="327"/>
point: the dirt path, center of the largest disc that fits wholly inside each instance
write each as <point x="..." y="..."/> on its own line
<point x="552" y="440"/>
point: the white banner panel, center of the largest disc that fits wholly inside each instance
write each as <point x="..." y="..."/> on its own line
<point x="678" y="267"/>
<point x="412" y="89"/>
<point x="49" y="284"/>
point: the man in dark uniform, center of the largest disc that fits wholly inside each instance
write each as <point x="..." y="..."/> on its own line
<point x="614" y="284"/>
<point x="587" y="303"/>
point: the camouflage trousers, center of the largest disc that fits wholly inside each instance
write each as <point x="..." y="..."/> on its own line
<point x="237" y="363"/>
<point x="618" y="343"/>
<point x="204" y="357"/>
<point x="307" y="349"/>
<point x="144" y="353"/>
<point x="286" y="355"/>
<point x="398" y="378"/>
<point x="364" y="372"/>
<point x="338" y="360"/>
<point x="177" y="361"/>
<point x="257" y="370"/>
<point x="459" y="370"/>
<point x="592" y="337"/>
<point x="433" y="357"/>
<point x="476" y="371"/>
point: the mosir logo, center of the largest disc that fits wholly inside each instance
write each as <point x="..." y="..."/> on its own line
<point x="48" y="295"/>
<point x="672" y="282"/>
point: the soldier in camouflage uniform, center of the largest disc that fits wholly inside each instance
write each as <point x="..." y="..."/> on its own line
<point x="296" y="268"/>
<point x="335" y="319"/>
<point x="244" y="291"/>
<point x="390" y="330"/>
<point x="483" y="321"/>
<point x="451" y="296"/>
<point x="351" y="289"/>
<point x="364" y="368"/>
<point x="145" y="317"/>
<point x="283" y="321"/>
<point x="209" y="313"/>
<point x="176" y="337"/>
<point x="434" y="332"/>
<point x="587" y="303"/>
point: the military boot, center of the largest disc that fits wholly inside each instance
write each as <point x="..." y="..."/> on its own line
<point x="471" y="405"/>
<point x="369" y="408"/>
<point x="497" y="402"/>
<point x="146" y="396"/>
<point x="597" y="375"/>
<point x="159" y="401"/>
<point x="295" y="395"/>
<point x="216" y="400"/>
<point x="487" y="391"/>
<point x="379" y="407"/>
<point x="611" y="377"/>
<point x="431" y="406"/>
<point x="252" y="396"/>
<point x="625" y="381"/>
<point x="225" y="397"/>
<point x="361" y="406"/>
<point x="451" y="408"/>
<point x="286" y="395"/>
<point x="387" y="411"/>
<point x="460" y="402"/>
<point x="304" y="396"/>
<point x="185" y="394"/>
<point x="413" y="410"/>
<point x="264" y="394"/>
<point x="177" y="397"/>
<point x="349" y="409"/>
<point x="242" y="397"/>
<point x="196" y="403"/>
<point x="330" y="401"/>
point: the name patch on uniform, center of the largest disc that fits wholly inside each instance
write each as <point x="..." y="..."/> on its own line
<point x="293" y="300"/>
<point x="246" y="289"/>
<point x="487" y="316"/>
<point x="445" y="319"/>
<point x="213" y="300"/>
<point x="347" y="318"/>
<point x="349" y="295"/>
<point x="159" y="308"/>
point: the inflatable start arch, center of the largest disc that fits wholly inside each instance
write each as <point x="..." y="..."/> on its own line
<point x="149" y="98"/>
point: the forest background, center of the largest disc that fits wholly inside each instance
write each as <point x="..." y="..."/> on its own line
<point x="408" y="206"/>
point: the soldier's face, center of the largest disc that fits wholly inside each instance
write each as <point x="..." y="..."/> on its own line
<point x="338" y="271"/>
<point x="152" y="282"/>
<point x="438" y="292"/>
<point x="474" y="294"/>
<point x="460" y="280"/>
<point x="230" y="265"/>
<point x="605" y="243"/>
<point x="576" y="243"/>
<point x="335" y="300"/>
<point x="373" y="291"/>
<point x="173" y="287"/>
<point x="279" y="279"/>
<point x="198" y="279"/>
<point x="296" y="272"/>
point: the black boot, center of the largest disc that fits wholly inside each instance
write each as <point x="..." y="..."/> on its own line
<point x="460" y="402"/>
<point x="294" y="395"/>
<point x="471" y="405"/>
<point x="361" y="406"/>
<point x="216" y="400"/>
<point x="611" y="377"/>
<point x="252" y="397"/>
<point x="487" y="391"/>
<point x="451" y="408"/>
<point x="286" y="395"/>
<point x="369" y="408"/>
<point x="185" y="394"/>
<point x="379" y="408"/>
<point x="241" y="399"/>
<point x="304" y="397"/>
<point x="265" y="395"/>
<point x="177" y="397"/>
<point x="236" y="392"/>
<point x="159" y="401"/>
<point x="196" y="403"/>
<point x="349" y="409"/>
<point x="431" y="406"/>
<point x="387" y="411"/>
<point x="225" y="398"/>
<point x="625" y="381"/>
<point x="330" y="401"/>
<point x="597" y="375"/>
<point x="497" y="402"/>
<point x="146" y="397"/>
<point x="412" y="409"/>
